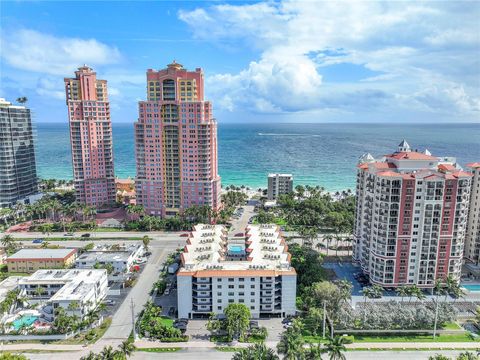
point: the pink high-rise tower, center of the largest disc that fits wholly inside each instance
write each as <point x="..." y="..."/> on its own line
<point x="176" y="144"/>
<point x="90" y="138"/>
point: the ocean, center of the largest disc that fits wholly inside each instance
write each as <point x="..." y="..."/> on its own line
<point x="316" y="154"/>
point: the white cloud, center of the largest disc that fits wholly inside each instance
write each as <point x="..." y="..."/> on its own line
<point x="51" y="87"/>
<point x="425" y="55"/>
<point x="47" y="54"/>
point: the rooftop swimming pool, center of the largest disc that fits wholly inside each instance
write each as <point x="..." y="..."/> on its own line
<point x="236" y="249"/>
<point x="471" y="287"/>
<point x="24" y="321"/>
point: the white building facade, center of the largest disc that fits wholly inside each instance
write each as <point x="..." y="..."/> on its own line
<point x="254" y="270"/>
<point x="122" y="259"/>
<point x="411" y="217"/>
<point x="61" y="288"/>
<point x="279" y="184"/>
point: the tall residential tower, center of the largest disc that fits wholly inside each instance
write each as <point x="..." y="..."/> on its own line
<point x="472" y="242"/>
<point x="176" y="144"/>
<point x="411" y="217"/>
<point x="91" y="138"/>
<point x="18" y="174"/>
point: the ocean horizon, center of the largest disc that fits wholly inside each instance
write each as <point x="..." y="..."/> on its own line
<point x="324" y="154"/>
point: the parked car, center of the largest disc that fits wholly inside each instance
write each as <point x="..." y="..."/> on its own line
<point x="184" y="235"/>
<point x="239" y="234"/>
<point x="110" y="302"/>
<point x="85" y="235"/>
<point x="148" y="253"/>
<point x="253" y="324"/>
<point x="69" y="234"/>
<point x="166" y="292"/>
<point x="37" y="241"/>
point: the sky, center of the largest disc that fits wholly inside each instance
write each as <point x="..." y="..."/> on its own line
<point x="274" y="61"/>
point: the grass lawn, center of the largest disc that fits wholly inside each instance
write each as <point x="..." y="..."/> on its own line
<point x="4" y="275"/>
<point x="465" y="337"/>
<point x="166" y="321"/>
<point x="442" y="338"/>
<point x="92" y="238"/>
<point x="227" y="348"/>
<point x="107" y="229"/>
<point x="158" y="350"/>
<point x="254" y="339"/>
<point x="219" y="338"/>
<point x="452" y="326"/>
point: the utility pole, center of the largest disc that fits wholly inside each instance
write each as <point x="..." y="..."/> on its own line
<point x="133" y="319"/>
<point x="324" y="317"/>
<point x="436" y="319"/>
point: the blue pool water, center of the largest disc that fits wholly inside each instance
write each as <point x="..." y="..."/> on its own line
<point x="24" y="321"/>
<point x="235" y="248"/>
<point x="472" y="287"/>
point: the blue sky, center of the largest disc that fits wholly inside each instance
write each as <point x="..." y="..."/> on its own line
<point x="295" y="61"/>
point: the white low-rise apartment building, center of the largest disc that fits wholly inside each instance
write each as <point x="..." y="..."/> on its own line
<point x="60" y="288"/>
<point x="122" y="259"/>
<point x="255" y="270"/>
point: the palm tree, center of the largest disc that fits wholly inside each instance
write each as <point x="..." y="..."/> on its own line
<point x="127" y="348"/>
<point x="39" y="291"/>
<point x="45" y="245"/>
<point x="335" y="347"/>
<point x="146" y="242"/>
<point x="255" y="352"/>
<point x="291" y="343"/>
<point x="314" y="352"/>
<point x="91" y="356"/>
<point x="107" y="353"/>
<point x="8" y="241"/>
<point x="401" y="291"/>
<point x="328" y="238"/>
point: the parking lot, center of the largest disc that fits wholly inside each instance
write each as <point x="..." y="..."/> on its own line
<point x="168" y="301"/>
<point x="346" y="271"/>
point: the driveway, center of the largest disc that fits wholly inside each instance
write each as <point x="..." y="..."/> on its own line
<point x="239" y="225"/>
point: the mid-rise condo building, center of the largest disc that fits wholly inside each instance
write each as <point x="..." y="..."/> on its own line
<point x="176" y="144"/>
<point x="61" y="288"/>
<point x="254" y="270"/>
<point x="91" y="138"/>
<point x="472" y="242"/>
<point x="18" y="174"/>
<point x="411" y="217"/>
<point x="279" y="184"/>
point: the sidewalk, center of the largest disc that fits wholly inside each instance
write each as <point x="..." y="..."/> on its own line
<point x="211" y="345"/>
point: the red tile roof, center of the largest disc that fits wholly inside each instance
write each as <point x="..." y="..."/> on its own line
<point x="411" y="155"/>
<point x="447" y="167"/>
<point x="473" y="165"/>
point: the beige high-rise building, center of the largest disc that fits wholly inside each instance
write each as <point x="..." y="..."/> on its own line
<point x="472" y="240"/>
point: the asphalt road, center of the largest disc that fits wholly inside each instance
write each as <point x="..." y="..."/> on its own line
<point x="212" y="354"/>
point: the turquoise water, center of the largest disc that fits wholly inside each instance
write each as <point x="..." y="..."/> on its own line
<point x="24" y="321"/>
<point x="472" y="287"/>
<point x="235" y="248"/>
<point x="316" y="154"/>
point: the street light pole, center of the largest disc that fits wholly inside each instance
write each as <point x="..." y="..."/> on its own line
<point x="324" y="317"/>
<point x="133" y="319"/>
